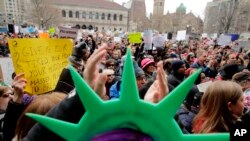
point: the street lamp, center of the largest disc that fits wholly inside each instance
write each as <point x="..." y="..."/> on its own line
<point x="42" y="22"/>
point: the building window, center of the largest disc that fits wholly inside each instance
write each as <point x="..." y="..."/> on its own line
<point x="70" y="14"/>
<point x="90" y="15"/>
<point x="84" y="26"/>
<point x="160" y="3"/>
<point x="84" y="15"/>
<point x="120" y="17"/>
<point x="77" y="14"/>
<point x="63" y="13"/>
<point x="103" y="16"/>
<point x="97" y="16"/>
<point x="115" y="17"/>
<point x="109" y="16"/>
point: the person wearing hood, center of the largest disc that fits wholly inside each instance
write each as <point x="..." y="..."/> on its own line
<point x="178" y="73"/>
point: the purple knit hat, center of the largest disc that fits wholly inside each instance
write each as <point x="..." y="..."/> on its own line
<point x="123" y="134"/>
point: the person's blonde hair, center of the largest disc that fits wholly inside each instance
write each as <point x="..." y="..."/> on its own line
<point x="40" y="105"/>
<point x="214" y="110"/>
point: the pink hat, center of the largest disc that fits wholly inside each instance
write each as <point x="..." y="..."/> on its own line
<point x="145" y="62"/>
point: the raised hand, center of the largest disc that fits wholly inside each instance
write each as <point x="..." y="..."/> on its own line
<point x="18" y="85"/>
<point x="159" y="89"/>
<point x="91" y="73"/>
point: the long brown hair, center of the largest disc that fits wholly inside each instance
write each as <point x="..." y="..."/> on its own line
<point x="214" y="110"/>
<point x="40" y="105"/>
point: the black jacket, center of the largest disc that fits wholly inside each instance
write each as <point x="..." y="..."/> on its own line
<point x="70" y="109"/>
<point x="11" y="117"/>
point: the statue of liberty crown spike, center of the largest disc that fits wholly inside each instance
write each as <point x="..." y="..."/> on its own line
<point x="129" y="111"/>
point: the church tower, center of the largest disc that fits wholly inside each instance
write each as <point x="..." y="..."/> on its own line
<point x="137" y="10"/>
<point x="158" y="8"/>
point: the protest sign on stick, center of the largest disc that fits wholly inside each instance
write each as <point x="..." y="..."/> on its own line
<point x="7" y="70"/>
<point x="148" y="39"/>
<point x="41" y="61"/>
<point x="68" y="33"/>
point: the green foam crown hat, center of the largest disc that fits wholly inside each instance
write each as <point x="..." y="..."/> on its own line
<point x="129" y="111"/>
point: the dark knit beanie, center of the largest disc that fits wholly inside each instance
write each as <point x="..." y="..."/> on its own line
<point x="138" y="72"/>
<point x="176" y="65"/>
<point x="229" y="70"/>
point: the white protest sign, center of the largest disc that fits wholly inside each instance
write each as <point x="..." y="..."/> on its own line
<point x="68" y="32"/>
<point x="148" y="39"/>
<point x="16" y="29"/>
<point x="165" y="37"/>
<point x="244" y="44"/>
<point x="224" y="40"/>
<point x="214" y="36"/>
<point x="203" y="86"/>
<point x="117" y="39"/>
<point x="181" y="35"/>
<point x="7" y="69"/>
<point x="159" y="41"/>
<point x="204" y="35"/>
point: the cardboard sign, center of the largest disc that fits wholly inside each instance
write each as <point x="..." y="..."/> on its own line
<point x="244" y="44"/>
<point x="44" y="35"/>
<point x="204" y="35"/>
<point x="181" y="35"/>
<point x="68" y="33"/>
<point x="159" y="41"/>
<point x="41" y="60"/>
<point x="117" y="39"/>
<point x="135" y="37"/>
<point x="148" y="39"/>
<point x="224" y="40"/>
<point x="52" y="31"/>
<point x="7" y="70"/>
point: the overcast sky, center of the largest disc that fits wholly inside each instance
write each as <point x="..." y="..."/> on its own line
<point x="196" y="6"/>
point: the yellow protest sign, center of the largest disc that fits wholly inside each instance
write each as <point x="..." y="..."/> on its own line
<point x="135" y="37"/>
<point x="42" y="61"/>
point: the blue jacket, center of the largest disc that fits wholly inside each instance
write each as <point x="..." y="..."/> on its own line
<point x="114" y="91"/>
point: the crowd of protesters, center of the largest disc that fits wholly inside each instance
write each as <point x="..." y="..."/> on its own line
<point x="221" y="107"/>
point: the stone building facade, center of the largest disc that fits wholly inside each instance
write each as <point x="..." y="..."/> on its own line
<point x="12" y="11"/>
<point x="180" y="20"/>
<point x="217" y="10"/>
<point x="137" y="14"/>
<point x="93" y="14"/>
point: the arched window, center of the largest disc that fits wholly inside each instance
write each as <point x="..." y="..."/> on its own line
<point x="109" y="16"/>
<point x="103" y="16"/>
<point x="84" y="26"/>
<point x="120" y="17"/>
<point x="77" y="26"/>
<point x="84" y="15"/>
<point x="115" y="17"/>
<point x="90" y="27"/>
<point x="90" y="15"/>
<point x="70" y="14"/>
<point x="77" y="14"/>
<point x="97" y="16"/>
<point x="63" y="13"/>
